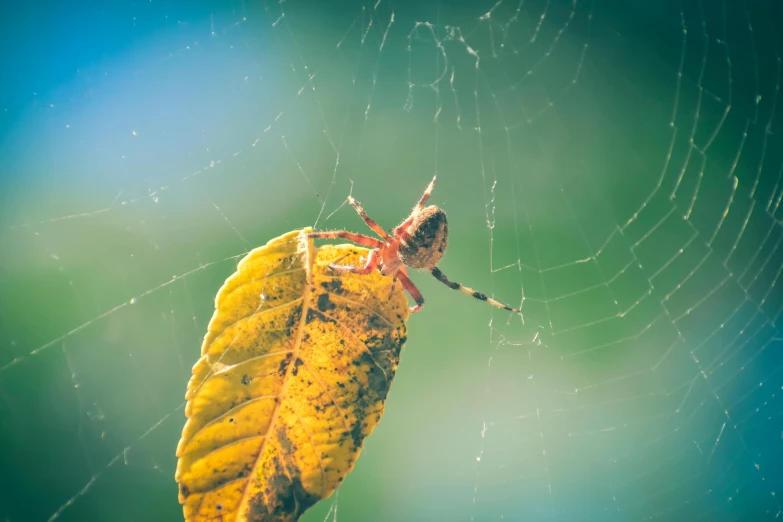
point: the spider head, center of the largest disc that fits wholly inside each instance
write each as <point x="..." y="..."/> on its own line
<point x="428" y="235"/>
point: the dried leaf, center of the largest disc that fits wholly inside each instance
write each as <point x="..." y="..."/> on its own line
<point x="293" y="374"/>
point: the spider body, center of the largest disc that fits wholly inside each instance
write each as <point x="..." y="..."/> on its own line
<point x="426" y="239"/>
<point x="418" y="242"/>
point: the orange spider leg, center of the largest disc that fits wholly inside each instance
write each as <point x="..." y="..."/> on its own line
<point x="372" y="263"/>
<point x="426" y="195"/>
<point x="420" y="205"/>
<point x="408" y="285"/>
<point x="398" y="232"/>
<point x="356" y="238"/>
<point x="367" y="219"/>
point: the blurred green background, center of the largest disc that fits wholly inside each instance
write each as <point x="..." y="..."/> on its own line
<point x="613" y="166"/>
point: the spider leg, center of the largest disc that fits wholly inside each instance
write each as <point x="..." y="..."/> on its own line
<point x="372" y="263"/>
<point x="426" y="195"/>
<point x="420" y="205"/>
<point x="408" y="285"/>
<point x="356" y="238"/>
<point x="440" y="276"/>
<point x="404" y="225"/>
<point x="367" y="219"/>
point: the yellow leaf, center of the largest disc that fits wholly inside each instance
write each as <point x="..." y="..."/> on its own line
<point x="293" y="374"/>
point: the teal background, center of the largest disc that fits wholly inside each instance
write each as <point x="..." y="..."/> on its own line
<point x="614" y="166"/>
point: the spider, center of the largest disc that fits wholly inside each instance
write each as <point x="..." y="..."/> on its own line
<point x="418" y="242"/>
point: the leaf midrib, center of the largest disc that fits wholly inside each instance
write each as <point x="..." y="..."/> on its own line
<point x="297" y="344"/>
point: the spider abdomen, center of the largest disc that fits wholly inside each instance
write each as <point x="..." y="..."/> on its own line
<point x="427" y="238"/>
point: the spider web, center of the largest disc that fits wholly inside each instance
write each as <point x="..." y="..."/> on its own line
<point x="614" y="167"/>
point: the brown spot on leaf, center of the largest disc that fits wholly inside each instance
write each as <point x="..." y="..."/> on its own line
<point x="285" y="443"/>
<point x="293" y="320"/>
<point x="324" y="304"/>
<point x="335" y="285"/>
<point x="357" y="435"/>
<point x="377" y="380"/>
<point x="297" y="363"/>
<point x="284" y="364"/>
<point x="284" y="499"/>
